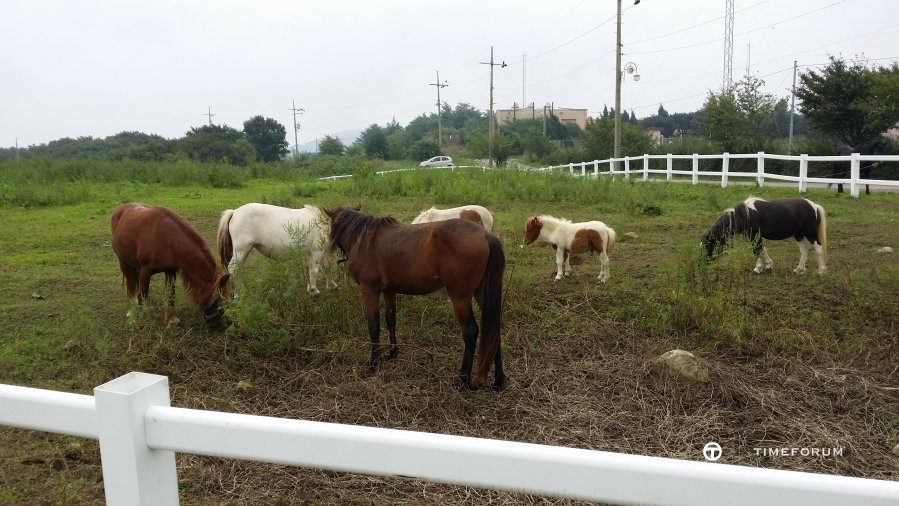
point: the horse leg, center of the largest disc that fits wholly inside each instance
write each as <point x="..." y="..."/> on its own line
<point x="170" y="317"/>
<point x="234" y="264"/>
<point x="373" y="319"/>
<point x="390" y="318"/>
<point x="567" y="263"/>
<point x="803" y="256"/>
<point x="465" y="316"/>
<point x="761" y="255"/>
<point x="314" y="259"/>
<point x="603" y="267"/>
<point x="560" y="261"/>
<point x="499" y="375"/>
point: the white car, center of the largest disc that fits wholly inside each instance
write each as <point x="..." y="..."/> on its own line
<point x="437" y="161"/>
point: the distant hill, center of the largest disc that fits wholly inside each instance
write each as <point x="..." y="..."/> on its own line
<point x="347" y="137"/>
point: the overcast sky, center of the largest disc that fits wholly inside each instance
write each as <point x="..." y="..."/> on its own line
<point x="75" y="68"/>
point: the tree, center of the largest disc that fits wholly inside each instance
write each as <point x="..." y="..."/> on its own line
<point x="534" y="143"/>
<point x="268" y="137"/>
<point x="599" y="137"/>
<point x="331" y="146"/>
<point x="373" y="141"/>
<point x="742" y="117"/>
<point x="217" y="143"/>
<point x="850" y="102"/>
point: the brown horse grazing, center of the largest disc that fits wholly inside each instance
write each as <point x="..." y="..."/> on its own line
<point x="389" y="257"/>
<point x="148" y="240"/>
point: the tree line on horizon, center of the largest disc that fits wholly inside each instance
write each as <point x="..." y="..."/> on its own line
<point x="844" y="103"/>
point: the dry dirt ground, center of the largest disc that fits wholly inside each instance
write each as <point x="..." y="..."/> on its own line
<point x="577" y="354"/>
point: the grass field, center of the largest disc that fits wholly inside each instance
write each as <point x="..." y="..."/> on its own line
<point x="796" y="361"/>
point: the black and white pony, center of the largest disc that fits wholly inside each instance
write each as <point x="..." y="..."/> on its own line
<point x="778" y="219"/>
<point x="842" y="168"/>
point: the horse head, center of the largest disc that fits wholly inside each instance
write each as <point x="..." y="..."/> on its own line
<point x="714" y="238"/>
<point x="532" y="229"/>
<point x="213" y="312"/>
<point x="339" y="225"/>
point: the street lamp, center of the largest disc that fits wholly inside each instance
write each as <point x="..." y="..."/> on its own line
<point x="630" y="68"/>
<point x="616" y="149"/>
<point x="491" y="124"/>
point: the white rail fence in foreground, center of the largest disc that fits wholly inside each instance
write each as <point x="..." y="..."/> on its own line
<point x="139" y="434"/>
<point x="596" y="168"/>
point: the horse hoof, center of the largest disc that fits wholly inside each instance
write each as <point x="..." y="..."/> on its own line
<point x="463" y="384"/>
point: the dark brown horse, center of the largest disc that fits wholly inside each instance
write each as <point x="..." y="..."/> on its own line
<point x="389" y="257"/>
<point x="148" y="240"/>
<point x="841" y="169"/>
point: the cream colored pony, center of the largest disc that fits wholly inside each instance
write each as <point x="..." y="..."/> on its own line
<point x="477" y="214"/>
<point x="274" y="230"/>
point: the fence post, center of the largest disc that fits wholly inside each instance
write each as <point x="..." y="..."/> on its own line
<point x="725" y="166"/>
<point x="570" y="168"/>
<point x="596" y="169"/>
<point x="669" y="168"/>
<point x="627" y="167"/>
<point x="133" y="473"/>
<point x="583" y="169"/>
<point x="854" y="167"/>
<point x="761" y="169"/>
<point x="803" y="172"/>
<point x="645" y="167"/>
<point x="695" y="168"/>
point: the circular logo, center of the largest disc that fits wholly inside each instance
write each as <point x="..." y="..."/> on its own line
<point x="712" y="451"/>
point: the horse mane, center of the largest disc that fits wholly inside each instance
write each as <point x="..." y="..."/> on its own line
<point x="355" y="223"/>
<point x="201" y="245"/>
<point x="553" y="219"/>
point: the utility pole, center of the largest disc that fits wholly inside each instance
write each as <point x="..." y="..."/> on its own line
<point x="439" y="85"/>
<point x="296" y="126"/>
<point x="727" y="80"/>
<point x="209" y="113"/>
<point x="616" y="148"/>
<point x="491" y="122"/>
<point x="792" y="103"/>
<point x="524" y="80"/>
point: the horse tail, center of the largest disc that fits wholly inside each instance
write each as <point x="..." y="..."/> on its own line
<point x="226" y="247"/>
<point x="490" y="293"/>
<point x="822" y="231"/>
<point x="610" y="240"/>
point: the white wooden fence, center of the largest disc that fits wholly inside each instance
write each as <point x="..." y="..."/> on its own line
<point x="647" y="168"/>
<point x="760" y="176"/>
<point x="139" y="434"/>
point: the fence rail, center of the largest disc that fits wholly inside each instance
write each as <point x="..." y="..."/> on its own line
<point x="139" y="433"/>
<point x="854" y="180"/>
<point x="597" y="168"/>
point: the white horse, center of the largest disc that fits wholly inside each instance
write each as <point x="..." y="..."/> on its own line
<point x="478" y="214"/>
<point x="569" y="239"/>
<point x="273" y="230"/>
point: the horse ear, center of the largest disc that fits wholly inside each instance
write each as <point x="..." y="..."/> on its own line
<point x="357" y="207"/>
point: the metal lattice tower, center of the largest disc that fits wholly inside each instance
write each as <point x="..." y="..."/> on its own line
<point x="728" y="44"/>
